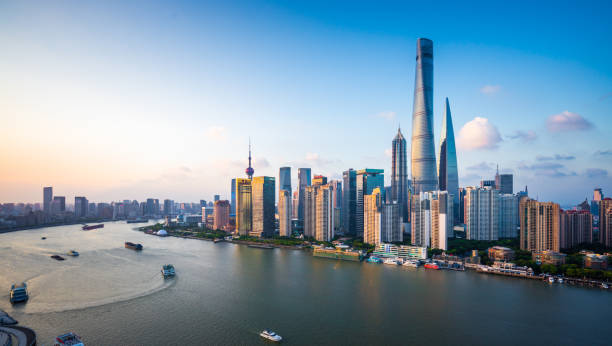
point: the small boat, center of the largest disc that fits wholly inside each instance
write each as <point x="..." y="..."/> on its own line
<point x="374" y="259"/>
<point x="19" y="293"/>
<point x="410" y="263"/>
<point x="604" y="285"/>
<point x="560" y="280"/>
<point x="431" y="266"/>
<point x="72" y="253"/>
<point x="58" y="257"/>
<point x="257" y="246"/>
<point x="168" y="270"/>
<point x="130" y="245"/>
<point x="551" y="279"/>
<point x="68" y="339"/>
<point x="89" y="228"/>
<point x="43" y="238"/>
<point x="137" y="221"/>
<point x="270" y="335"/>
<point x="218" y="240"/>
<point x="390" y="261"/>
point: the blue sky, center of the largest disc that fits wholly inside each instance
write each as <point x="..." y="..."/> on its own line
<point x="131" y="100"/>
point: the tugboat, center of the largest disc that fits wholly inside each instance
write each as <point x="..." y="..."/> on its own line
<point x="72" y="253"/>
<point x="270" y="335"/>
<point x="168" y="270"/>
<point x="130" y="245"/>
<point x="68" y="339"/>
<point x="58" y="257"/>
<point x="19" y="293"/>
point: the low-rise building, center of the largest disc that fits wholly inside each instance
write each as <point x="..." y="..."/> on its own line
<point x="595" y="261"/>
<point x="500" y="253"/>
<point x="548" y="257"/>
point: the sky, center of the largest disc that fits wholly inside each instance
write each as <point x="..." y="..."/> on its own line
<point x="129" y="100"/>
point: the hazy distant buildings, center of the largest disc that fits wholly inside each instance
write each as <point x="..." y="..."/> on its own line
<point x="448" y="176"/>
<point x="303" y="182"/>
<point x="399" y="175"/>
<point x="284" y="213"/>
<point x="47" y="198"/>
<point x="481" y="208"/>
<point x="244" y="210"/>
<point x="263" y="203"/>
<point x="366" y="181"/>
<point x="58" y="205"/>
<point x="575" y="227"/>
<point x="233" y="198"/>
<point x="423" y="155"/>
<point x="80" y="207"/>
<point x="168" y="207"/>
<point x="539" y="225"/>
<point x="349" y="202"/>
<point x="221" y="215"/>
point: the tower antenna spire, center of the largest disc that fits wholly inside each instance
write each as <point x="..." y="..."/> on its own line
<point x="249" y="171"/>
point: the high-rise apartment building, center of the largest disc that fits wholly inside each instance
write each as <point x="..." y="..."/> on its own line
<point x="244" y="206"/>
<point x="605" y="221"/>
<point x="80" y="207"/>
<point x="47" y="198"/>
<point x="263" y="197"/>
<point x="448" y="176"/>
<point x="432" y="219"/>
<point x="295" y="201"/>
<point x="576" y="227"/>
<point x="303" y="182"/>
<point x="504" y="183"/>
<point x="324" y="200"/>
<point x="336" y="186"/>
<point x="423" y="155"/>
<point x="221" y="214"/>
<point x="60" y="202"/>
<point x="284" y="213"/>
<point x="168" y="207"/>
<point x="399" y="175"/>
<point x="539" y="225"/>
<point x="349" y="202"/>
<point x="310" y="210"/>
<point x="366" y="181"/>
<point x="482" y="218"/>
<point x="508" y="214"/>
<point x="371" y="218"/>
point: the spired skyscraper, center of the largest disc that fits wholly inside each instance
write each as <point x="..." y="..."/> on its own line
<point x="423" y="155"/>
<point x="399" y="175"/>
<point x="447" y="162"/>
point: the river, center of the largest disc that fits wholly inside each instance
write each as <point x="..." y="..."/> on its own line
<point x="226" y="293"/>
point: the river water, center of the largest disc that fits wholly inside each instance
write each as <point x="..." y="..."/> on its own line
<point x="224" y="294"/>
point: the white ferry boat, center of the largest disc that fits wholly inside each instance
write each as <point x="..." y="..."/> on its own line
<point x="68" y="339"/>
<point x="270" y="335"/>
<point x="410" y="263"/>
<point x="168" y="270"/>
<point x="390" y="261"/>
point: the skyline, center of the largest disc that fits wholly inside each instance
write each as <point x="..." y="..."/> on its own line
<point x="167" y="114"/>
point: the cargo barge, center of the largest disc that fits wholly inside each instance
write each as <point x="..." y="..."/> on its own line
<point x="90" y="227"/>
<point x="130" y="245"/>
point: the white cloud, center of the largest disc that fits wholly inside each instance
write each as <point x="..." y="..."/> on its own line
<point x="388" y="152"/>
<point x="490" y="89"/>
<point x="478" y="133"/>
<point x="389" y="115"/>
<point x="217" y="133"/>
<point x="567" y="121"/>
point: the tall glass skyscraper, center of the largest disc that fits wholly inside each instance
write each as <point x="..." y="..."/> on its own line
<point x="447" y="162"/>
<point x="263" y="200"/>
<point x="303" y="181"/>
<point x="349" y="198"/>
<point x="233" y="199"/>
<point x="399" y="175"/>
<point x="366" y="181"/>
<point x="284" y="179"/>
<point x="423" y="155"/>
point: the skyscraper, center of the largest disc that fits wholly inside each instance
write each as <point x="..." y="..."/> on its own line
<point x="303" y="181"/>
<point x="244" y="210"/>
<point x="221" y="214"/>
<point x="349" y="200"/>
<point x="284" y="213"/>
<point x="448" y="177"/>
<point x="431" y="220"/>
<point x="576" y="227"/>
<point x="168" y="207"/>
<point x="80" y="206"/>
<point x="324" y="214"/>
<point x="233" y="198"/>
<point x="249" y="171"/>
<point x="504" y="182"/>
<point x="284" y="179"/>
<point x="508" y="215"/>
<point x="423" y="155"/>
<point x="605" y="221"/>
<point x="366" y="181"/>
<point x="481" y="209"/>
<point x="47" y="197"/>
<point x="263" y="195"/>
<point x="399" y="175"/>
<point x="371" y="218"/>
<point x="61" y="203"/>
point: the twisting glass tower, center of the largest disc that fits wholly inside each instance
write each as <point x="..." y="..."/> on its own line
<point x="423" y="156"/>
<point x="399" y="174"/>
<point x="447" y="161"/>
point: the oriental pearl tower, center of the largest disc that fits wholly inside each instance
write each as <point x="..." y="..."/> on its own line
<point x="249" y="171"/>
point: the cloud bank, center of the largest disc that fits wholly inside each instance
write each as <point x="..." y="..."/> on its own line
<point x="477" y="134"/>
<point x="567" y="121"/>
